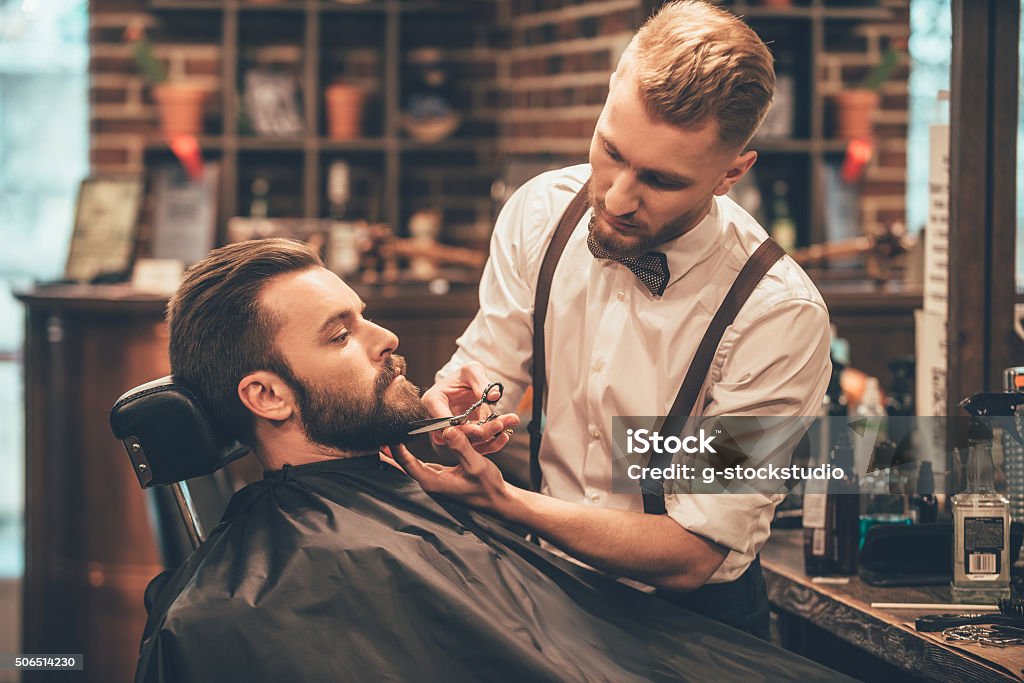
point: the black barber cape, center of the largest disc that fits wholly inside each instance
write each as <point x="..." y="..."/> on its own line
<point x="347" y="571"/>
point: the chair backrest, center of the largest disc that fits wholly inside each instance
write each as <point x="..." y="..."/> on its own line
<point x="168" y="438"/>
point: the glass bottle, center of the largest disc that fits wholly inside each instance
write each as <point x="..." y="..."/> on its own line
<point x="981" y="520"/>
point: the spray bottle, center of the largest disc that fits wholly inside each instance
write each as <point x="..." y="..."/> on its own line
<point x="981" y="516"/>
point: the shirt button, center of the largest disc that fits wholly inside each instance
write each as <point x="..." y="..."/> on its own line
<point x="594" y="496"/>
<point x="621" y="296"/>
<point x="598" y="365"/>
<point x="594" y="432"/>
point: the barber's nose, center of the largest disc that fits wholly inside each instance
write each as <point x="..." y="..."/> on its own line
<point x="385" y="342"/>
<point x="622" y="197"/>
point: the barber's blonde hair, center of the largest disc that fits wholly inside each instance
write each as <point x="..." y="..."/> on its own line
<point x="696" y="63"/>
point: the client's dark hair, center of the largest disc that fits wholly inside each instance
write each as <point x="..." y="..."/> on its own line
<point x="219" y="333"/>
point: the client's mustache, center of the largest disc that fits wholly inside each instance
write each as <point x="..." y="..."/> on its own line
<point x="394" y="365"/>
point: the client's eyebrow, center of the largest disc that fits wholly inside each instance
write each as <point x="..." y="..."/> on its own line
<point x="342" y="316"/>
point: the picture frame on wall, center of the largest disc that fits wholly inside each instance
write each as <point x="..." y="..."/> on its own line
<point x="272" y="102"/>
<point x="105" y="230"/>
<point x="184" y="212"/>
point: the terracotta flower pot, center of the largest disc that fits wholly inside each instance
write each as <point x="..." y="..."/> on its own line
<point x="181" y="107"/>
<point x="344" y="111"/>
<point x="853" y="112"/>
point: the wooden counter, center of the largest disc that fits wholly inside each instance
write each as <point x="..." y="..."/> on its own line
<point x="823" y="621"/>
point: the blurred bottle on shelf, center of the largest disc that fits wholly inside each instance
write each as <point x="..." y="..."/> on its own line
<point x="343" y="251"/>
<point x="259" y="204"/>
<point x="782" y="230"/>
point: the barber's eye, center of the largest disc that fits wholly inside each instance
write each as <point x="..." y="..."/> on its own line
<point x="341" y="338"/>
<point x="612" y="153"/>
<point x="663" y="184"/>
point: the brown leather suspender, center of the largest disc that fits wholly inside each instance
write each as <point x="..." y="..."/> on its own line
<point x="763" y="258"/>
<point x="753" y="271"/>
<point x="570" y="218"/>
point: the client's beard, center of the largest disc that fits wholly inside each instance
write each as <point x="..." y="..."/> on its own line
<point x="361" y="423"/>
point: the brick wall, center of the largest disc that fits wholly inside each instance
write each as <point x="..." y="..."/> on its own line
<point x="554" y="77"/>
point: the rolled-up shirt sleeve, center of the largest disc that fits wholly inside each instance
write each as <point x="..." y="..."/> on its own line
<point x="775" y="363"/>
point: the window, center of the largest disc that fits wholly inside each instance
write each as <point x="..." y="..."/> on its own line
<point x="43" y="156"/>
<point x="931" y="35"/>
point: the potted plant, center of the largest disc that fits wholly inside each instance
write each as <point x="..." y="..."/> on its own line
<point x="180" y="103"/>
<point x="344" y="110"/>
<point x="855" y="107"/>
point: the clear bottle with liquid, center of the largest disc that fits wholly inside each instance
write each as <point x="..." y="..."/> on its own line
<point x="981" y="517"/>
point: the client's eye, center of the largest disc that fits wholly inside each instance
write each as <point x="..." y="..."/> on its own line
<point x="341" y="338"/>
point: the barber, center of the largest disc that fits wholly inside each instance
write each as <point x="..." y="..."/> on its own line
<point x="642" y="247"/>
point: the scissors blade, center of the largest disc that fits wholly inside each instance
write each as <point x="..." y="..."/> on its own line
<point x="432" y="424"/>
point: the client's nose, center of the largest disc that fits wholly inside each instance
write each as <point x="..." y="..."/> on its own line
<point x="385" y="342"/>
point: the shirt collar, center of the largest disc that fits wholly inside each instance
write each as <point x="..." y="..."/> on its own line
<point x="689" y="249"/>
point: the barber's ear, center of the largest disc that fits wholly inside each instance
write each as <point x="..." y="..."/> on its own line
<point x="736" y="171"/>
<point x="267" y="396"/>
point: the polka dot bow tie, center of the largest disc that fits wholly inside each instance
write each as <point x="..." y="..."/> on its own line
<point x="650" y="268"/>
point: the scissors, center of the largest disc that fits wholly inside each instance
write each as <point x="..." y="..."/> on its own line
<point x="431" y="424"/>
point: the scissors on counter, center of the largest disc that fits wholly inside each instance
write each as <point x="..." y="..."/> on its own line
<point x="431" y="424"/>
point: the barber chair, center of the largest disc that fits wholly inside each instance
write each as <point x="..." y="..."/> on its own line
<point x="177" y="458"/>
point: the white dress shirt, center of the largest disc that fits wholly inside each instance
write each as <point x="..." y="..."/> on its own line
<point x="613" y="348"/>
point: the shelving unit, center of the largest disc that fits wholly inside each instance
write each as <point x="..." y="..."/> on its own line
<point x="802" y="31"/>
<point x="316" y="28"/>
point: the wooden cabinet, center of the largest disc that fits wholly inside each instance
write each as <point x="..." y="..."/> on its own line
<point x="90" y="550"/>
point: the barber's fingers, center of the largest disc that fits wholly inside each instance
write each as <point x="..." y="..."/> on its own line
<point x="494" y="435"/>
<point x="475" y="376"/>
<point x="481" y="434"/>
<point x="471" y="460"/>
<point x="412" y="465"/>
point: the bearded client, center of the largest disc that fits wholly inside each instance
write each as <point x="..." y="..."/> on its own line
<point x="337" y="566"/>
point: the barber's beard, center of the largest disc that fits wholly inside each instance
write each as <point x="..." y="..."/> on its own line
<point x="361" y="423"/>
<point x="622" y="246"/>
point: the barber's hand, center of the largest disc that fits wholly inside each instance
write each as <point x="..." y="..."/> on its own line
<point x="475" y="481"/>
<point x="454" y="395"/>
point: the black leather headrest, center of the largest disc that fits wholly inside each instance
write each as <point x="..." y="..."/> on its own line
<point x="166" y="433"/>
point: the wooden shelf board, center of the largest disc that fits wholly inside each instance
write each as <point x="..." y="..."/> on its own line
<point x="208" y="5"/>
<point x="834" y="145"/>
<point x="773" y="13"/>
<point x="158" y="143"/>
<point x="359" y="145"/>
<point x="363" y="7"/>
<point x="452" y="145"/>
<point x="782" y="145"/>
<point x="256" y="143"/>
<point x="861" y="13"/>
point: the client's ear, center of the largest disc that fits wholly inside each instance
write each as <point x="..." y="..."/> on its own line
<point x="266" y="395"/>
